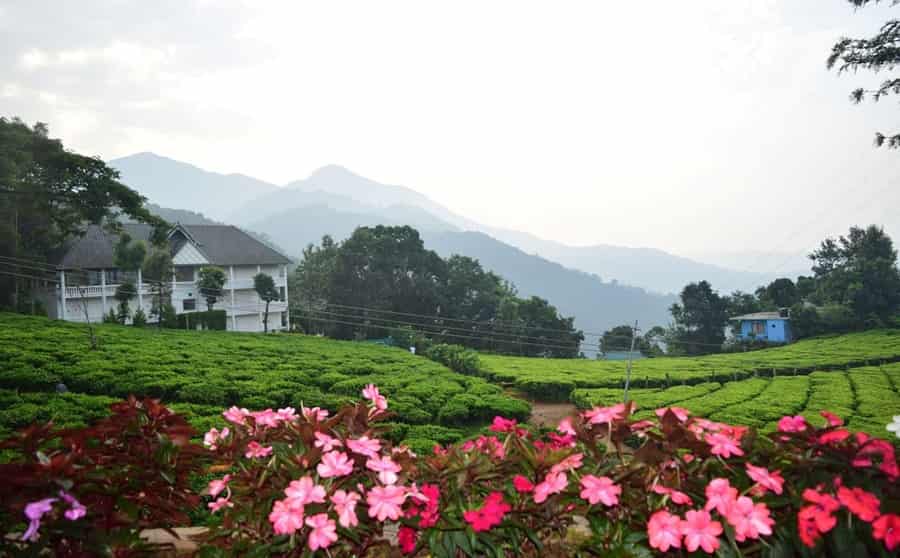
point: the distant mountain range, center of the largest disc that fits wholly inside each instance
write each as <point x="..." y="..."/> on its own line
<point x="601" y="286"/>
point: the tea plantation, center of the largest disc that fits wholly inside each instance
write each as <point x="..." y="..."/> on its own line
<point x="201" y="373"/>
<point x="555" y="379"/>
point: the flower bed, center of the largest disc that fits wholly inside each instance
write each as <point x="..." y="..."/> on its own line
<point x="603" y="483"/>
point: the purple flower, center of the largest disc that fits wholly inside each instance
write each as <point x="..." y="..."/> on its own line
<point x="77" y="510"/>
<point x="34" y="511"/>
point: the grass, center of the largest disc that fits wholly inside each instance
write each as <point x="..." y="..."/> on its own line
<point x="200" y="373"/>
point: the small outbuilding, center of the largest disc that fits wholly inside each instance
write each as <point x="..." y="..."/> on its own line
<point x="772" y="327"/>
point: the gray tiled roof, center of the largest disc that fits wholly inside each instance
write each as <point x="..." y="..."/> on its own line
<point x="762" y="316"/>
<point x="221" y="244"/>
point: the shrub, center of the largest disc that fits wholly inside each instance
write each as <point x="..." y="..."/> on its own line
<point x="206" y="320"/>
<point x="456" y="358"/>
<point x="139" y="319"/>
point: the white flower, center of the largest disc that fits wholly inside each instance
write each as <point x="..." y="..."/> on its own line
<point x="895" y="426"/>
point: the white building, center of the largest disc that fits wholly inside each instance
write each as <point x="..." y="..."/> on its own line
<point x="88" y="276"/>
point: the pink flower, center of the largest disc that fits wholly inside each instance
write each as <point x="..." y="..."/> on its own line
<point x="772" y="481"/>
<point x="254" y="449"/>
<point x="887" y="528"/>
<point x="212" y="438"/>
<point x="723" y="445"/>
<point x="792" y="424"/>
<point x="501" y="424"/>
<point x="570" y="463"/>
<point x="553" y="483"/>
<point x="314" y="414"/>
<point x="600" y="489"/>
<point x="489" y="515"/>
<point x="835" y="436"/>
<point x="324" y="531"/>
<point x="676" y="496"/>
<point x="76" y="509"/>
<point x="286" y="518"/>
<point x="565" y="427"/>
<point x="522" y="484"/>
<point x="881" y="448"/>
<point x="700" y="531"/>
<point x="305" y="491"/>
<point x="334" y="464"/>
<point x="820" y="513"/>
<point x="326" y="442"/>
<point x="345" y="506"/>
<point x="267" y="418"/>
<point x="406" y="538"/>
<point x="749" y="520"/>
<point x="287" y="414"/>
<point x="370" y="392"/>
<point x="236" y="416"/>
<point x="215" y="487"/>
<point x="680" y="413"/>
<point x="385" y="501"/>
<point x="664" y="530"/>
<point x="365" y="446"/>
<point x="598" y="415"/>
<point x="720" y="496"/>
<point x="219" y="504"/>
<point x="861" y="503"/>
<point x="833" y="419"/>
<point x="385" y="467"/>
<point x="34" y="511"/>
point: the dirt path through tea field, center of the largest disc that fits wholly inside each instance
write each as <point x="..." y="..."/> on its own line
<point x="549" y="414"/>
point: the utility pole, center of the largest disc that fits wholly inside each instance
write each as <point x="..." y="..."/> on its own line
<point x="634" y="331"/>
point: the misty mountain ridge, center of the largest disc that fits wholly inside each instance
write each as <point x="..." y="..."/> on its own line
<point x="351" y="198"/>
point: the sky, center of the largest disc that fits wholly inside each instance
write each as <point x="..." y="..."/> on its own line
<point x="703" y="127"/>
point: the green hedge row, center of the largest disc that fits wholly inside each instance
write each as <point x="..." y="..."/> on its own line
<point x="207" y="320"/>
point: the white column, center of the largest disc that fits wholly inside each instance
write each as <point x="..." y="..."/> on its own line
<point x="62" y="293"/>
<point x="287" y="311"/>
<point x="140" y="289"/>
<point x="103" y="289"/>
<point x="259" y="314"/>
<point x="231" y="286"/>
<point x="173" y="288"/>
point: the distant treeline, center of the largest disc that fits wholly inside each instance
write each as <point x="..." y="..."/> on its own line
<point x="382" y="280"/>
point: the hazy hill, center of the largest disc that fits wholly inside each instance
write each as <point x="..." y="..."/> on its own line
<point x="170" y="183"/>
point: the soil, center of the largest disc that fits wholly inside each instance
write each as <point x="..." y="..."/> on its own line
<point x="548" y="415"/>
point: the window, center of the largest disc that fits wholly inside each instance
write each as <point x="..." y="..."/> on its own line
<point x="184" y="274"/>
<point x="758" y="328"/>
<point x="280" y="293"/>
<point x="189" y="304"/>
<point x="284" y="319"/>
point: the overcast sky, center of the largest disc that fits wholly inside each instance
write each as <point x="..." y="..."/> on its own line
<point x="690" y="126"/>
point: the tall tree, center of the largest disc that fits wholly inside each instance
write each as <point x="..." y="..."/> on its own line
<point x="859" y="271"/>
<point x="700" y="320"/>
<point x="780" y="293"/>
<point x="210" y="282"/>
<point x="48" y="194"/>
<point x="876" y="53"/>
<point x="310" y="284"/>
<point x="264" y="286"/>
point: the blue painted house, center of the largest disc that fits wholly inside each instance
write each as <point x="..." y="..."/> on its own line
<point x="773" y="327"/>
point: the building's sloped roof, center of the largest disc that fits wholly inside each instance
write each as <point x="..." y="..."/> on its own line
<point x="762" y="316"/>
<point x="221" y="244"/>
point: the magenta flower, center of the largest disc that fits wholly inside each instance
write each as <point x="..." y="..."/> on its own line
<point x="255" y="449"/>
<point x="522" y="484"/>
<point x="285" y="517"/>
<point x="345" y="506"/>
<point x="565" y="427"/>
<point x="334" y="464"/>
<point x="676" y="496"/>
<point x="326" y="442"/>
<point x="314" y="414"/>
<point x="76" y="509"/>
<point x="720" y="495"/>
<point x="501" y="424"/>
<point x="267" y="418"/>
<point x="489" y="515"/>
<point x="664" y="531"/>
<point x="324" y="531"/>
<point x="600" y="489"/>
<point x="213" y="437"/>
<point x="287" y="414"/>
<point x="236" y="416"/>
<point x="700" y="531"/>
<point x="749" y="520"/>
<point x="599" y="415"/>
<point x="305" y="491"/>
<point x="769" y="481"/>
<point x="723" y="445"/>
<point x="553" y="483"/>
<point x="371" y="393"/>
<point x="219" y="504"/>
<point x="570" y="463"/>
<point x="792" y="424"/>
<point x="34" y="511"/>
<point x="680" y="413"/>
<point x="365" y="446"/>
<point x="385" y="501"/>
<point x="385" y="467"/>
<point x="833" y="419"/>
<point x="215" y="487"/>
